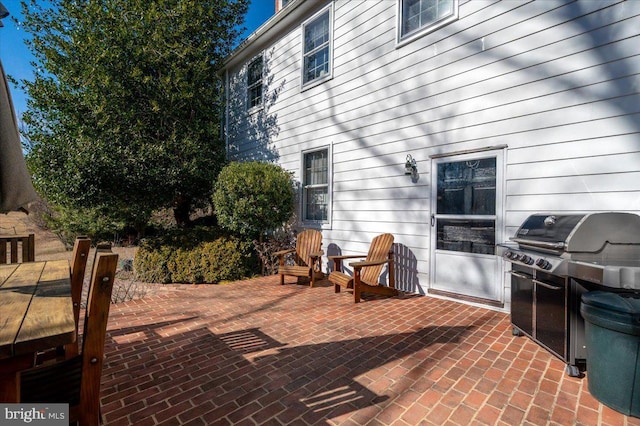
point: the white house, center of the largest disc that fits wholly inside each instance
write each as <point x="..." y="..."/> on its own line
<point x="507" y="108"/>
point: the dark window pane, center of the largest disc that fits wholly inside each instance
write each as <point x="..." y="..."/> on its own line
<point x="316" y="187"/>
<point x="316" y="203"/>
<point x="317" y="65"/>
<point x="255" y="96"/>
<point x="316" y="48"/>
<point x="467" y="187"/>
<point x="469" y="236"/>
<point x="316" y="33"/>
<point x="254" y="83"/>
<point x="316" y="168"/>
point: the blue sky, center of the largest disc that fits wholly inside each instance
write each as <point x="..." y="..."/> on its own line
<point x="16" y="58"/>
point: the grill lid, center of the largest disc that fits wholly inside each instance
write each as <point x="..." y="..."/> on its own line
<point x="548" y="228"/>
<point x="587" y="233"/>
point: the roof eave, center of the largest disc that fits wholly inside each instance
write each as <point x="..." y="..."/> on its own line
<point x="287" y="16"/>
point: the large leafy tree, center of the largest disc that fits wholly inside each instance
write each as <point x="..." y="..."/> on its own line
<point x="124" y="110"/>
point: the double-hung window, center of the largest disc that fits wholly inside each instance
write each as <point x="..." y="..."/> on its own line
<point x="316" y="61"/>
<point x="315" y="186"/>
<point x="422" y="16"/>
<point x="254" y="83"/>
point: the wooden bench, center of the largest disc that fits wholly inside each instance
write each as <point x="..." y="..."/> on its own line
<point x="9" y="248"/>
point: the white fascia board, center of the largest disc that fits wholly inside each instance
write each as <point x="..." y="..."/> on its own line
<point x="294" y="12"/>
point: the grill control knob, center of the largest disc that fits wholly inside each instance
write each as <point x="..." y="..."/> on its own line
<point x="542" y="263"/>
<point x="527" y="260"/>
<point x="510" y="255"/>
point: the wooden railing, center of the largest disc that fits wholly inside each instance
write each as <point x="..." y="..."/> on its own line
<point x="9" y="252"/>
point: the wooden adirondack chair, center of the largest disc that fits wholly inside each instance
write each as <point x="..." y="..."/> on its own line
<point x="307" y="257"/>
<point x="366" y="274"/>
<point x="76" y="381"/>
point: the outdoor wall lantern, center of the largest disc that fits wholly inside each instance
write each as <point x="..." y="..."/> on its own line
<point x="410" y="168"/>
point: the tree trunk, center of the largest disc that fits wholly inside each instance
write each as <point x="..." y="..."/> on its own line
<point x="181" y="210"/>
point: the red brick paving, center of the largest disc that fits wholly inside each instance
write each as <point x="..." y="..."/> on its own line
<point x="257" y="353"/>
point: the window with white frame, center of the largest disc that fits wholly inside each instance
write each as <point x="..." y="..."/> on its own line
<point x="418" y="16"/>
<point x="316" y="61"/>
<point x="254" y="83"/>
<point x="315" y="186"/>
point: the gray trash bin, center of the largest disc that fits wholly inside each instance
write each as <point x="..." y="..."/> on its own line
<point x="612" y="334"/>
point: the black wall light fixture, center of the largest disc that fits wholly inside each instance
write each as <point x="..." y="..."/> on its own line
<point x="410" y="168"/>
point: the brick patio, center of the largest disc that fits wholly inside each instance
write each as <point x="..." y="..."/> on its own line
<point x="255" y="352"/>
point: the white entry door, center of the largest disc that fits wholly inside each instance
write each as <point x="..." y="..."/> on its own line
<point x="466" y="216"/>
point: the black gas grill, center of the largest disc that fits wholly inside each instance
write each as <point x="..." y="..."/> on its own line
<point x="554" y="260"/>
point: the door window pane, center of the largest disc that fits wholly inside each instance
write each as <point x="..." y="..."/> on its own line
<point x="469" y="236"/>
<point x="467" y="187"/>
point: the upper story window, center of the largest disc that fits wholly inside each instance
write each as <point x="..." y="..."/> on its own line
<point x="422" y="16"/>
<point x="254" y="83"/>
<point x="316" y="62"/>
<point x="281" y="3"/>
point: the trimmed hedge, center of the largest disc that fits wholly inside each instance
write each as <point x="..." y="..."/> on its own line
<point x="253" y="197"/>
<point x="190" y="258"/>
<point x="150" y="264"/>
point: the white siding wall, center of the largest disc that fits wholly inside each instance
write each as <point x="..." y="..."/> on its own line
<point x="556" y="81"/>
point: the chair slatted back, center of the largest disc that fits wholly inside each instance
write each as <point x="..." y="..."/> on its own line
<point x="28" y="248"/>
<point x="308" y="241"/>
<point x="95" y="332"/>
<point x="379" y="250"/>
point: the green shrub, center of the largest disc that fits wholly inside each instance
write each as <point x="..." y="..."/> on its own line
<point x="194" y="257"/>
<point x="225" y="259"/>
<point x="150" y="264"/>
<point x="184" y="266"/>
<point x="253" y="197"/>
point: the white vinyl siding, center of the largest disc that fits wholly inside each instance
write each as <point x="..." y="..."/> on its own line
<point x="555" y="82"/>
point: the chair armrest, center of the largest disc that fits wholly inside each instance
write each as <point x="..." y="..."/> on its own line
<point x="283" y="252"/>
<point x="317" y="254"/>
<point x="359" y="265"/>
<point x="352" y="256"/>
<point x="337" y="260"/>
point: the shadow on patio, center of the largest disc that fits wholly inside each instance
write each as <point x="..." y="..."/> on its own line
<point x="255" y="352"/>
